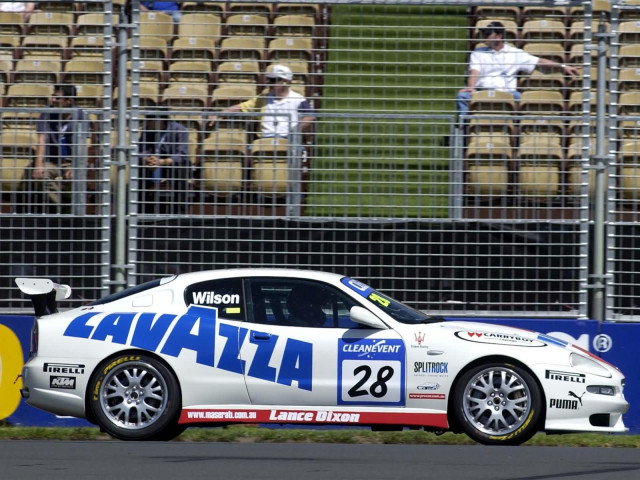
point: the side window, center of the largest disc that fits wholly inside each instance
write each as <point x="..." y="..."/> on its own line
<point x="225" y="294"/>
<point x="299" y="303"/>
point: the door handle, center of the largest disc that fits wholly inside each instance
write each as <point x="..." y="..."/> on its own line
<point x="260" y="335"/>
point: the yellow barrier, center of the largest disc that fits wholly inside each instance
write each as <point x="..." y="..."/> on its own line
<point x="10" y="367"/>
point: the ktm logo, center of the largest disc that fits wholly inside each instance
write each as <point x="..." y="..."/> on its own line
<point x="68" y="383"/>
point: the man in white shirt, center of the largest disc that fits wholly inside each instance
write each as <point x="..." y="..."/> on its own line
<point x="496" y="65"/>
<point x="284" y="108"/>
<point x="26" y="8"/>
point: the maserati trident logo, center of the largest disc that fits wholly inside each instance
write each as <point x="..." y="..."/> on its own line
<point x="419" y="336"/>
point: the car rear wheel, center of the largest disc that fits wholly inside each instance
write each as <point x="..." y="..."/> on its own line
<point x="498" y="404"/>
<point x="135" y="397"/>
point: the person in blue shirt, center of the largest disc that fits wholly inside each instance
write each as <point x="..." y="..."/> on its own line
<point x="171" y="8"/>
<point x="164" y="149"/>
<point x="59" y="136"/>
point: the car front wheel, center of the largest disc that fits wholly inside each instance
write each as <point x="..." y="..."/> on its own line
<point x="136" y="397"/>
<point x="498" y="404"/>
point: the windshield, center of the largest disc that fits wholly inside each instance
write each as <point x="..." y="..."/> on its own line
<point x="132" y="291"/>
<point x="398" y="311"/>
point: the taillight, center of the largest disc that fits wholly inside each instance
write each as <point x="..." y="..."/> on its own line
<point x="34" y="339"/>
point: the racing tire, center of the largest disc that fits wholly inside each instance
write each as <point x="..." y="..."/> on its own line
<point x="136" y="397"/>
<point x="498" y="404"/>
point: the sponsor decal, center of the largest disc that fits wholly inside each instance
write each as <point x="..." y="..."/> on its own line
<point x="371" y="371"/>
<point x="499" y="339"/>
<point x="213" y="298"/>
<point x="428" y="396"/>
<point x="429" y="386"/>
<point x="431" y="367"/>
<point x="357" y="287"/>
<point x="566" y="404"/>
<point x="63" y="368"/>
<point x="311" y="416"/>
<point x="571" y="394"/>
<point x="418" y="342"/>
<point x="197" y="331"/>
<point x="65" y="383"/>
<point x="565" y="376"/>
<point x="366" y="291"/>
<point x="516" y="431"/>
<point x="321" y="416"/>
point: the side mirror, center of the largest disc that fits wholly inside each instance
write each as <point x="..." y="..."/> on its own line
<point x="365" y="317"/>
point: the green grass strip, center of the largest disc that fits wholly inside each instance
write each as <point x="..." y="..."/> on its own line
<point x="254" y="434"/>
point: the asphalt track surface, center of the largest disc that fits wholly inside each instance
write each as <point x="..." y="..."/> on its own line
<point x="31" y="460"/>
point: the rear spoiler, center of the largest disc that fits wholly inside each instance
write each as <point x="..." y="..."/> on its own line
<point x="44" y="294"/>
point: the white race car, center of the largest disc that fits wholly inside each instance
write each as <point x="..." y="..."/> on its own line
<point x="282" y="346"/>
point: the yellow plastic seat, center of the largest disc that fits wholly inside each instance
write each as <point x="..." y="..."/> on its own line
<point x="270" y="168"/>
<point x="294" y="26"/>
<point x="193" y="48"/>
<point x="247" y="25"/>
<point x="241" y="48"/>
<point x="492" y="101"/>
<point x="534" y="31"/>
<point x="201" y="25"/>
<point x="223" y="160"/>
<point x="290" y="49"/>
<point x="238" y="72"/>
<point x="539" y="160"/>
<point x="59" y="24"/>
<point x="18" y="148"/>
<point x="185" y="71"/>
<point x="487" y="171"/>
<point x="84" y="72"/>
<point x="543" y="102"/>
<point x="37" y="71"/>
<point x="44" y="46"/>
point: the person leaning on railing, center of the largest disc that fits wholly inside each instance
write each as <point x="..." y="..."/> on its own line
<point x="495" y="66"/>
<point x="285" y="109"/>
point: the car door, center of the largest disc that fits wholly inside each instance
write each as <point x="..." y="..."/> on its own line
<point x="223" y="384"/>
<point x="301" y="348"/>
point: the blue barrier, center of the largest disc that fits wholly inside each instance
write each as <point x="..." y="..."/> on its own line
<point x="614" y="342"/>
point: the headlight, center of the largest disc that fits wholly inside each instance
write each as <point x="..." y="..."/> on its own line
<point x="588" y="365"/>
<point x="601" y="390"/>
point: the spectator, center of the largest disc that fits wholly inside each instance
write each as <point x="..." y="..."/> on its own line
<point x="495" y="66"/>
<point x="170" y="8"/>
<point x="164" y="146"/>
<point x="285" y="108"/>
<point x="59" y="135"/>
<point x="26" y="8"/>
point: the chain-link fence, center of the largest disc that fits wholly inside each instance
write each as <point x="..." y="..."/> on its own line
<point x="493" y="204"/>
